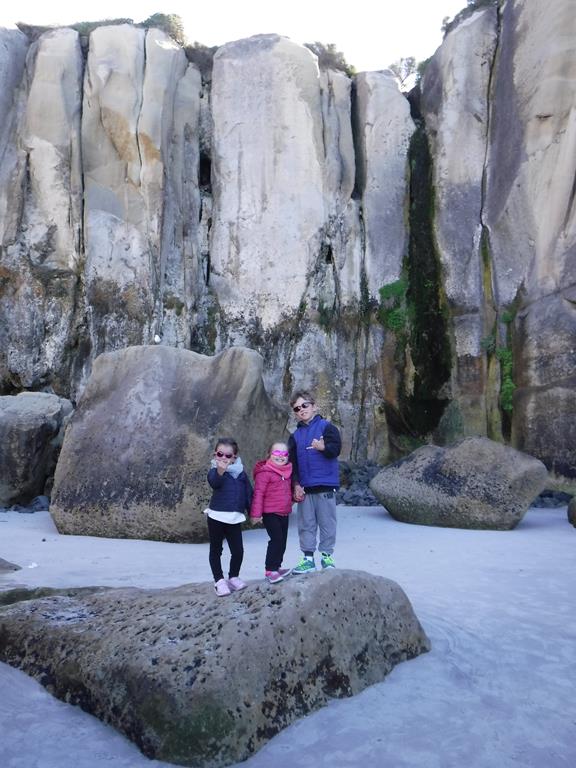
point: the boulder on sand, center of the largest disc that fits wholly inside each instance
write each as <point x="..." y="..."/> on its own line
<point x="137" y="452"/>
<point x="476" y="483"/>
<point x="31" y="430"/>
<point x="202" y="681"/>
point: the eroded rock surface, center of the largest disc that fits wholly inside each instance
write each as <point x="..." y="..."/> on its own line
<point x="205" y="682"/>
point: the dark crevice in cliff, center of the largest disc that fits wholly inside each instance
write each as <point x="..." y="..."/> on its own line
<point x="79" y="345"/>
<point x="141" y="98"/>
<point x="205" y="173"/>
<point x="494" y="344"/>
<point x="489" y="115"/>
<point x="359" y="447"/>
<point x="359" y="154"/>
<point x="430" y="349"/>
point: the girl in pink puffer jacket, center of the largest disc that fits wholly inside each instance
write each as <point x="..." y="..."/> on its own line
<point x="272" y="503"/>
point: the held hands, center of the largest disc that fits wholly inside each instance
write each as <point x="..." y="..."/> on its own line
<point x="255" y="520"/>
<point x="318" y="444"/>
<point x="299" y="493"/>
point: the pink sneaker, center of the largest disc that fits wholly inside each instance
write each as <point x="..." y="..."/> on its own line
<point x="222" y="588"/>
<point x="236" y="584"/>
<point x="273" y="576"/>
<point x="284" y="572"/>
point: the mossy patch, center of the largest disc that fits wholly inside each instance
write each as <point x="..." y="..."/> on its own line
<point x="189" y="739"/>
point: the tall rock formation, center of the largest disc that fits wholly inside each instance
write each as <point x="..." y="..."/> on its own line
<point x="41" y="221"/>
<point x="455" y="107"/>
<point x="412" y="262"/>
<point x="498" y="102"/>
<point x="531" y="219"/>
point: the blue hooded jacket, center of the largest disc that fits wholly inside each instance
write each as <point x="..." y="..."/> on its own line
<point x="316" y="468"/>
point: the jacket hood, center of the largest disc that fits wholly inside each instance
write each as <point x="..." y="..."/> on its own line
<point x="233" y="469"/>
<point x="264" y="465"/>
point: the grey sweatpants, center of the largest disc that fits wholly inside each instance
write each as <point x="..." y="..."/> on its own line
<point x="317" y="512"/>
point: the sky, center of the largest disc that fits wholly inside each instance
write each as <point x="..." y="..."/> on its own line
<point x="495" y="691"/>
<point x="372" y="34"/>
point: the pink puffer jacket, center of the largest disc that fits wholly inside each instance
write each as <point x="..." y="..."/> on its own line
<point x="272" y="489"/>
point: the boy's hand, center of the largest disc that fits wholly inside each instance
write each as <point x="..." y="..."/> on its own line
<point x="255" y="520"/>
<point x="318" y="444"/>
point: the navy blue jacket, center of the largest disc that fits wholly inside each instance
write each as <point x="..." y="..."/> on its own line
<point x="229" y="493"/>
<point x="315" y="470"/>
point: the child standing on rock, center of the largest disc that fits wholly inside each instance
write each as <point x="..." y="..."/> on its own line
<point x="231" y="498"/>
<point x="314" y="448"/>
<point x="272" y="503"/>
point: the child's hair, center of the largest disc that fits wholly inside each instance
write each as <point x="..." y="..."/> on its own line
<point x="276" y="442"/>
<point x="304" y="394"/>
<point x="227" y="441"/>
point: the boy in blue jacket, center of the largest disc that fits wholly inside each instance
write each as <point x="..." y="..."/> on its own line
<point x="231" y="498"/>
<point x="314" y="448"/>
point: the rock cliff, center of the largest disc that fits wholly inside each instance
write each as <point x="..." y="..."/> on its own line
<point x="413" y="260"/>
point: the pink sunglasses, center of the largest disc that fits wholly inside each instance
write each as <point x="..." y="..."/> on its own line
<point x="279" y="453"/>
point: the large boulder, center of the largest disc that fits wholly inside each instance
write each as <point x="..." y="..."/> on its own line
<point x="205" y="682"/>
<point x="476" y="483"/>
<point x="136" y="455"/>
<point x="31" y="432"/>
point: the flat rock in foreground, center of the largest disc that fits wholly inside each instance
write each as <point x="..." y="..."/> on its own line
<point x="201" y="681"/>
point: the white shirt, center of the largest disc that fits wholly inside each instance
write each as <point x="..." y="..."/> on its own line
<point x="225" y="517"/>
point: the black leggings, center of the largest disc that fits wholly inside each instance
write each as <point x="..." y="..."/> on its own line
<point x="232" y="532"/>
<point x="277" y="529"/>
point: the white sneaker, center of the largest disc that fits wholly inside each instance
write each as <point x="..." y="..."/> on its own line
<point x="222" y="588"/>
<point x="236" y="584"/>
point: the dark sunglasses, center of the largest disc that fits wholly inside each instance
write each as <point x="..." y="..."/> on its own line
<point x="221" y="455"/>
<point x="298" y="408"/>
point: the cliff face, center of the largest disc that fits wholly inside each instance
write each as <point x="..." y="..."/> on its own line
<point x="413" y="270"/>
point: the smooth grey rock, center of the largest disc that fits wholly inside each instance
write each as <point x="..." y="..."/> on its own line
<point x="205" y="682"/>
<point x="476" y="483"/>
<point x="136" y="455"/>
<point x="7" y="567"/>
<point x="383" y="137"/>
<point x="31" y="432"/>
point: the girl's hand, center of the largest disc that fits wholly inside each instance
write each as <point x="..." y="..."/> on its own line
<point x="255" y="520"/>
<point x="222" y="465"/>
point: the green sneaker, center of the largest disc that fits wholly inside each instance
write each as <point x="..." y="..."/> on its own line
<point x="327" y="561"/>
<point x="306" y="565"/>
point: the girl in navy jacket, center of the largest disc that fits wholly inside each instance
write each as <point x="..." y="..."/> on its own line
<point x="231" y="498"/>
